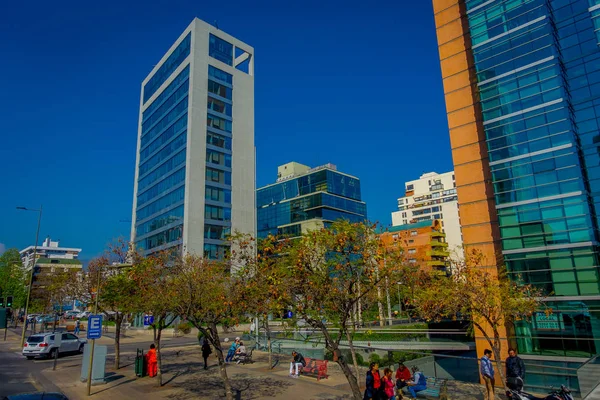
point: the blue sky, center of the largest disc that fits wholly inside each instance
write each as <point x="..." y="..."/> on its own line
<point x="353" y="83"/>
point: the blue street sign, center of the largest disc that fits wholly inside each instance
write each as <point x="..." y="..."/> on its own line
<point x="148" y="320"/>
<point x="94" y="330"/>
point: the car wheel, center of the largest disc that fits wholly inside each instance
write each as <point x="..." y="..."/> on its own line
<point x="52" y="353"/>
<point x="30" y="357"/>
<point x="81" y="349"/>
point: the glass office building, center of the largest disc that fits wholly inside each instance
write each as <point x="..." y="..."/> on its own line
<point x="306" y="199"/>
<point x="194" y="178"/>
<point x="522" y="87"/>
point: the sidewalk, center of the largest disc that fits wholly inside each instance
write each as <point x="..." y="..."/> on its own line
<point x="185" y="378"/>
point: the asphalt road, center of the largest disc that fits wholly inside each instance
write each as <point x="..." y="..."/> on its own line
<point x="19" y="375"/>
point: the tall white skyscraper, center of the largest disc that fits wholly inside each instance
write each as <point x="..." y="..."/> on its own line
<point x="195" y="164"/>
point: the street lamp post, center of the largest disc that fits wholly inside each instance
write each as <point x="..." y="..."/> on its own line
<point x="37" y="234"/>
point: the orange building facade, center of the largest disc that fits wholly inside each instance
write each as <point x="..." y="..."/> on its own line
<point x="478" y="215"/>
<point x="424" y="244"/>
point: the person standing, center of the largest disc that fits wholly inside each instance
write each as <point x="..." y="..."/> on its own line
<point x="373" y="382"/>
<point x="515" y="370"/>
<point x="151" y="361"/>
<point x="77" y="326"/>
<point x="206" y="351"/>
<point x="387" y="385"/>
<point x="487" y="372"/>
<point x="402" y="376"/>
<point x="297" y="362"/>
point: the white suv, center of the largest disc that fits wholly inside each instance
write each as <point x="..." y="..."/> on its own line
<point x="42" y="344"/>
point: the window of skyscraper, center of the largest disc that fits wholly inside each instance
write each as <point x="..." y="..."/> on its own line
<point x="220" y="49"/>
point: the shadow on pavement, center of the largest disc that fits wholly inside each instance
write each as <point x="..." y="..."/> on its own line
<point x="244" y="386"/>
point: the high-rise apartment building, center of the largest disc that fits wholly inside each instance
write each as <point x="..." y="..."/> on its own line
<point x="522" y="86"/>
<point x="432" y="197"/>
<point x="305" y="199"/>
<point x="195" y="165"/>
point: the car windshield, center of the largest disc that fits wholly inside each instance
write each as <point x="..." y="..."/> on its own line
<point x="35" y="339"/>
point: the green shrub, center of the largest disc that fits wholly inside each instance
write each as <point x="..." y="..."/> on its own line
<point x="374" y="358"/>
<point x="184" y="327"/>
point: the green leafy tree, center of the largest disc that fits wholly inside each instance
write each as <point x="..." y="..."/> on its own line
<point x="487" y="299"/>
<point x="13" y="278"/>
<point x="332" y="273"/>
<point x="207" y="296"/>
<point x="155" y="288"/>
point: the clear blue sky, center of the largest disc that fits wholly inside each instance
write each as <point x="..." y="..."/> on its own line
<point x="354" y="83"/>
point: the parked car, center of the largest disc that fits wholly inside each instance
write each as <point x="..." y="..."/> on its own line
<point x="31" y="317"/>
<point x="83" y="314"/>
<point x="71" y="314"/>
<point x="44" y="319"/>
<point x="43" y="344"/>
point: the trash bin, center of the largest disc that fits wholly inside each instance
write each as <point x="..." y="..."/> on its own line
<point x="140" y="363"/>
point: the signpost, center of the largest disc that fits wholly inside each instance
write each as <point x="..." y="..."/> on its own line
<point x="57" y="343"/>
<point x="94" y="331"/>
<point x="148" y="320"/>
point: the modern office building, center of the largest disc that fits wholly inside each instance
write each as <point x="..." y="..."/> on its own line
<point x="195" y="164"/>
<point x="424" y="244"/>
<point x="305" y="199"/>
<point x="522" y="86"/>
<point x="432" y="197"/>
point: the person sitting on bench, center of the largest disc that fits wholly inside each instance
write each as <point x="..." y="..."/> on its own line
<point x="418" y="383"/>
<point x="296" y="364"/>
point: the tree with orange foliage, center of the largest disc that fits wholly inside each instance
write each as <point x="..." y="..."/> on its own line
<point x="207" y="296"/>
<point x="332" y="272"/>
<point x="262" y="278"/>
<point x="154" y="280"/>
<point x="488" y="300"/>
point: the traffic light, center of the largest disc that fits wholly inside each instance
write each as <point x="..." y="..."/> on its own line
<point x="9" y="301"/>
<point x="1" y="302"/>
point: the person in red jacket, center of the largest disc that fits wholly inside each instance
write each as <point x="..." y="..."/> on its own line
<point x="402" y="376"/>
<point x="151" y="363"/>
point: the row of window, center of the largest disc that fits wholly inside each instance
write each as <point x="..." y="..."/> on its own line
<point x="165" y="107"/>
<point x="219" y="106"/>
<point x="216" y="73"/>
<point x="550" y="189"/>
<point x="216" y="251"/>
<point x="174" y="85"/>
<point x="218" y="176"/>
<point x="174" y="162"/>
<point x="216" y="157"/>
<point x="223" y="124"/>
<point x="164" y="237"/>
<point x="217" y="140"/>
<point x="570" y="207"/>
<point x="220" y="90"/>
<point x="216" y="232"/>
<point x="217" y="194"/>
<point x="166" y="152"/>
<point x="174" y="130"/>
<point x="164" y="185"/>
<point x="166" y="69"/>
<point x="167" y="218"/>
<point x="217" y="213"/>
<point x="168" y="200"/>
<point x="167" y="120"/>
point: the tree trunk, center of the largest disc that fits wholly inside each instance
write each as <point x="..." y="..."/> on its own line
<point x="157" y="335"/>
<point x="222" y="368"/>
<point x="268" y="334"/>
<point x="353" y="352"/>
<point x="118" y="320"/>
<point x="389" y="302"/>
<point x="333" y="347"/>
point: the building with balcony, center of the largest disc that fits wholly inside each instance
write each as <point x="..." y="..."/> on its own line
<point x="304" y="199"/>
<point x="194" y="176"/>
<point x="424" y="244"/>
<point x="432" y="197"/>
<point x="51" y="257"/>
<point x="521" y="81"/>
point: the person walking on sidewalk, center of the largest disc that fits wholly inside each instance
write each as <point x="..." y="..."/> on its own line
<point x="206" y="351"/>
<point x="151" y="362"/>
<point x="77" y="326"/>
<point x="487" y="372"/>
<point x="297" y="362"/>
